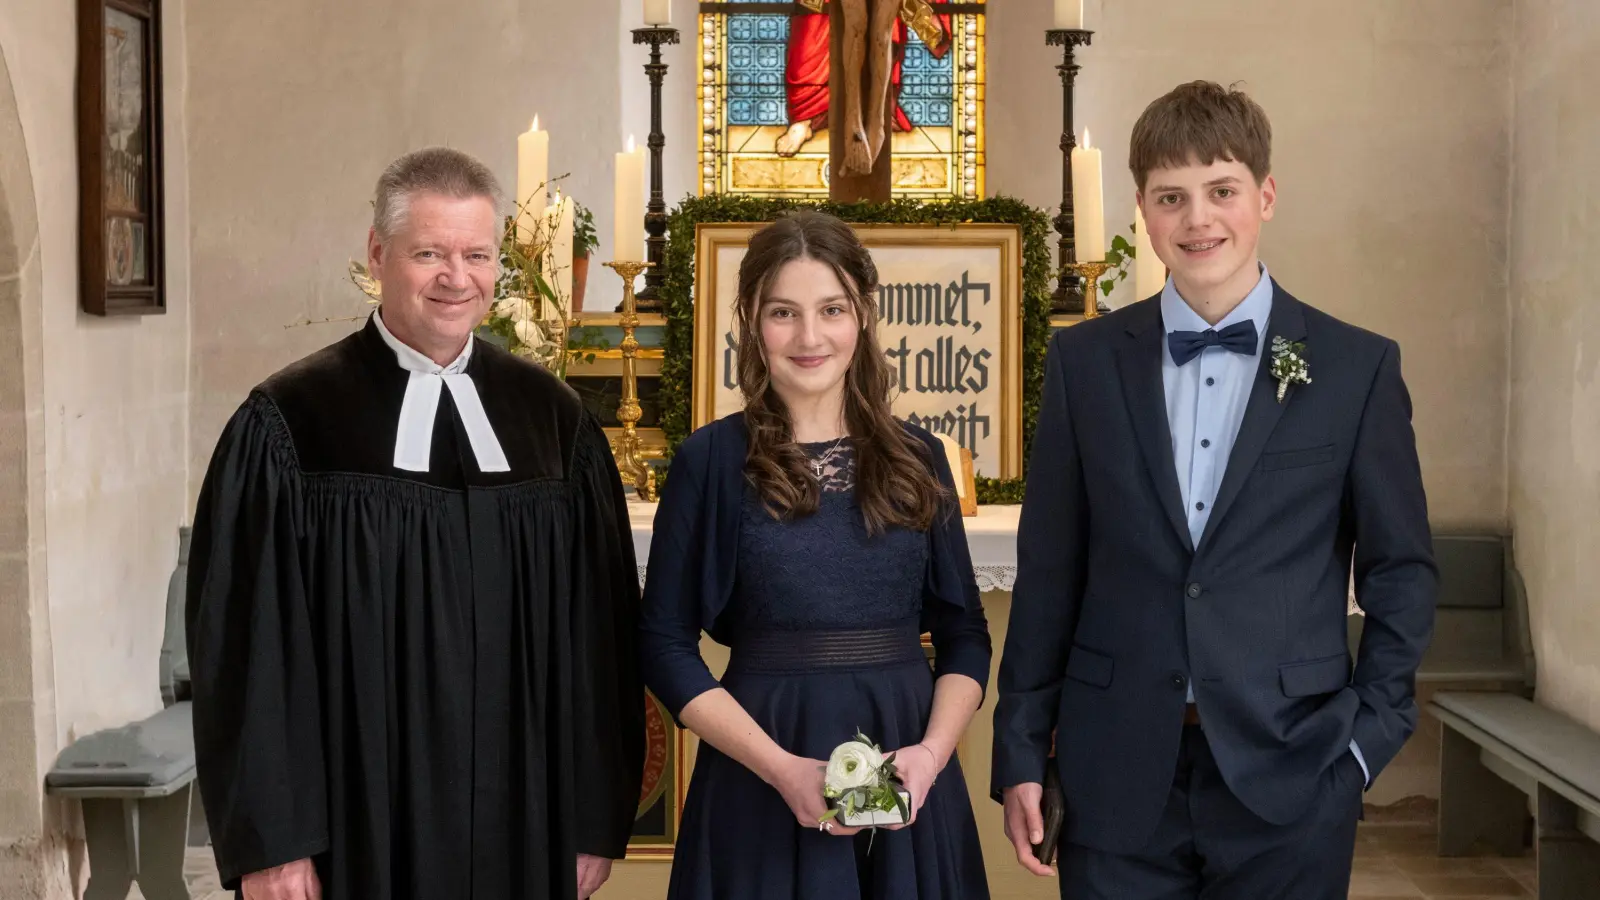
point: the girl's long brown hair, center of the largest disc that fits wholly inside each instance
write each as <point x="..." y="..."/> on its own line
<point x="895" y="484"/>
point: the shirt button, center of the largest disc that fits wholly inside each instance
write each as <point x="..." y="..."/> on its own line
<point x="1178" y="681"/>
<point x="1206" y="442"/>
<point x="1200" y="505"/>
<point x="1193" y="591"/>
<point x="1210" y="382"/>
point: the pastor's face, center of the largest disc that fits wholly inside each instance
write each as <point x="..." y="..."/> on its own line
<point x="437" y="272"/>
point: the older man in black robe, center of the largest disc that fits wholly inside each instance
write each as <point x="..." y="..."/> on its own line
<point x="412" y="598"/>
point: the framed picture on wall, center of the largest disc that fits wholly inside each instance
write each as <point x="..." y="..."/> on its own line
<point x="122" y="226"/>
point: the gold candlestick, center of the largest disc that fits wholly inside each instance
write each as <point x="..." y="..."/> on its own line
<point x="1090" y="272"/>
<point x="627" y="449"/>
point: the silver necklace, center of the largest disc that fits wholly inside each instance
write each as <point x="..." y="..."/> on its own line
<point x="817" y="464"/>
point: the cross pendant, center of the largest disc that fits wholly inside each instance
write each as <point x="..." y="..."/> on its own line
<point x="817" y="467"/>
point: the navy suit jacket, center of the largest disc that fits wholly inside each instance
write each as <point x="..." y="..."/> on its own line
<point x="1115" y="614"/>
<point x="694" y="548"/>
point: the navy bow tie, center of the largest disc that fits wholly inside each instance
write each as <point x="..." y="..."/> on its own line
<point x="1239" y="337"/>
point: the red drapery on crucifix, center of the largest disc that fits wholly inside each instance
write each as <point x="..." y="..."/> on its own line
<point x="806" y="73"/>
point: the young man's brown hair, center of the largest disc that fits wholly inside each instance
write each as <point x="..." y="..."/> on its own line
<point x="1201" y="122"/>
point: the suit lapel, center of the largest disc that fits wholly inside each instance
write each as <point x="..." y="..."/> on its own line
<point x="1262" y="411"/>
<point x="1139" y="360"/>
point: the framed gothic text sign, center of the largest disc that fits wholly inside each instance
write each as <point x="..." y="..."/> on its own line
<point x="121" y="221"/>
<point x="949" y="325"/>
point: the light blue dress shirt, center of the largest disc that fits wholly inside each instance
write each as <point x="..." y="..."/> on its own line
<point x="1206" y="399"/>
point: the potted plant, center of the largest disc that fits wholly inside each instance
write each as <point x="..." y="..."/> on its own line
<point x="584" y="240"/>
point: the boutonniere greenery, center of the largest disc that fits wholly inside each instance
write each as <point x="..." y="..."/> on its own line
<point x="1289" y="365"/>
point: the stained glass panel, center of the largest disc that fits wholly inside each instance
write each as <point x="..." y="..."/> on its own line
<point x="763" y="89"/>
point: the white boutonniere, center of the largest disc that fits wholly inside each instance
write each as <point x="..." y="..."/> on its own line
<point x="1288" y="365"/>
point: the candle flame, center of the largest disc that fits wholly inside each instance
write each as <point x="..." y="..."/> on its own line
<point x="630" y="143"/>
<point x="1086" y="144"/>
<point x="535" y="126"/>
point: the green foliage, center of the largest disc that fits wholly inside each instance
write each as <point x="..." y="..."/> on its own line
<point x="584" y="341"/>
<point x="678" y="286"/>
<point x="1120" y="258"/>
<point x="584" y="239"/>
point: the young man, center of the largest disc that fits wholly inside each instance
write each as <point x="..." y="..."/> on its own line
<point x="1209" y="464"/>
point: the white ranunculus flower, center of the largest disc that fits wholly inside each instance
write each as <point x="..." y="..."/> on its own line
<point x="530" y="334"/>
<point x="852" y="765"/>
<point x="517" y="309"/>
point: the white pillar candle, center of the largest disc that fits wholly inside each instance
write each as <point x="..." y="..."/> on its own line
<point x="628" y="233"/>
<point x="1088" y="203"/>
<point x="560" y="266"/>
<point x="1069" y="14"/>
<point x="533" y="170"/>
<point x="1149" y="272"/>
<point x="658" y="12"/>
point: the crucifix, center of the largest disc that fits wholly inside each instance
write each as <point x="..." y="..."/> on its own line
<point x="861" y="62"/>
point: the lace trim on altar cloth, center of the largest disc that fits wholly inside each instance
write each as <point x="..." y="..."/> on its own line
<point x="995" y="578"/>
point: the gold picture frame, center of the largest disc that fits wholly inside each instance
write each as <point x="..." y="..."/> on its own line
<point x="921" y="300"/>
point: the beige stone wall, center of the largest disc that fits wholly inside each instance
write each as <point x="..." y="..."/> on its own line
<point x="1390" y="125"/>
<point x="1391" y="128"/>
<point x="1555" y="353"/>
<point x="26" y="860"/>
<point x="115" y="401"/>
<point x="106" y="407"/>
<point x="305" y="102"/>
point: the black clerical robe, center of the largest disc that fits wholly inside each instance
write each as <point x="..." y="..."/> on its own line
<point x="424" y="681"/>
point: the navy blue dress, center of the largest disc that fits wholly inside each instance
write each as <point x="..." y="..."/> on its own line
<point x="825" y="640"/>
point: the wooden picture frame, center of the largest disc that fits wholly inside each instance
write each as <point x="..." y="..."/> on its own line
<point x="121" y="177"/>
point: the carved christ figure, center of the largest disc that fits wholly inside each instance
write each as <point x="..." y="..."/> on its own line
<point x="874" y="39"/>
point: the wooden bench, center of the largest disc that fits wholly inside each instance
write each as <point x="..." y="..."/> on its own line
<point x="137" y="782"/>
<point x="1500" y="754"/>
<point x="1480" y="637"/>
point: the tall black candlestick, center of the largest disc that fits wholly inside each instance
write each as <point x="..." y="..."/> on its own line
<point x="1068" y="298"/>
<point x="655" y="219"/>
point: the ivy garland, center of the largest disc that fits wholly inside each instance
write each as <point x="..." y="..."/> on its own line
<point x="677" y="288"/>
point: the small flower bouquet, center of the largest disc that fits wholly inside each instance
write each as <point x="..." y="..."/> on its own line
<point x="861" y="787"/>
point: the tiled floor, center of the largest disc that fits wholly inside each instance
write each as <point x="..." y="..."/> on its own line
<point x="1400" y="861"/>
<point x="1392" y="862"/>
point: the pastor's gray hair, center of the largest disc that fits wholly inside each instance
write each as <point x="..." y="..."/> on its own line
<point x="436" y="170"/>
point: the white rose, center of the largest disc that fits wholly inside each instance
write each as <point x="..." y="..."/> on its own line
<point x="852" y="765"/>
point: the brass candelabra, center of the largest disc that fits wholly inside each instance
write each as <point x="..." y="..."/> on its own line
<point x="1090" y="272"/>
<point x="627" y="449"/>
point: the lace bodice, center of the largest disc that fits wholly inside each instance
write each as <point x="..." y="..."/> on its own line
<point x="823" y="571"/>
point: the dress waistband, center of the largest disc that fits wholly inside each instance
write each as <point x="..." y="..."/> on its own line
<point x="774" y="651"/>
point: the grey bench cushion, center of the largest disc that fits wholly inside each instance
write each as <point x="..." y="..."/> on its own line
<point x="157" y="752"/>
<point x="1566" y="748"/>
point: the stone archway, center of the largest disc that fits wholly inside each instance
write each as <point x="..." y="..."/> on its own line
<point x="32" y="852"/>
